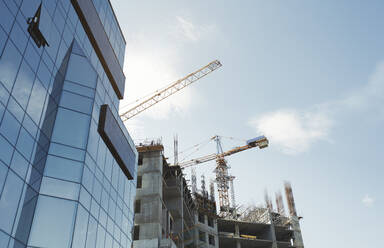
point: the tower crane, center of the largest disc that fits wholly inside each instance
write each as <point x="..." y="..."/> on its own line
<point x="223" y="179"/>
<point x="170" y="90"/>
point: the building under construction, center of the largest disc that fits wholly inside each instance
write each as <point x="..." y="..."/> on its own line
<point x="169" y="212"/>
<point x="263" y="227"/>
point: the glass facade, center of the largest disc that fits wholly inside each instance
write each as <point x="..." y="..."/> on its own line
<point x="60" y="185"/>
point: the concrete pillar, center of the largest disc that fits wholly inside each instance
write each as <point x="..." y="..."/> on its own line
<point x="273" y="233"/>
<point x="298" y="239"/>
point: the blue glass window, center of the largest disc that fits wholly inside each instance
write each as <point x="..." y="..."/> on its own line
<point x="9" y="64"/>
<point x="6" y="150"/>
<point x="4" y="94"/>
<point x="76" y="102"/>
<point x="10" y="127"/>
<point x="80" y="234"/>
<point x="71" y="128"/>
<point x="15" y="109"/>
<point x="66" y="151"/>
<point x="94" y="208"/>
<point x="3" y="174"/>
<point x="60" y="188"/>
<point x="36" y="101"/>
<point x="85" y="198"/>
<point x="29" y="125"/>
<point x="23" y="84"/>
<point x="4" y="239"/>
<point x="44" y="74"/>
<point x="29" y="7"/>
<point x="80" y="71"/>
<point x="19" y="37"/>
<point x="32" y="56"/>
<point x="87" y="179"/>
<point x="91" y="234"/>
<point x="9" y="201"/>
<point x="49" y="228"/>
<point x="100" y="237"/>
<point x="78" y="89"/>
<point x="25" y="143"/>
<point x="3" y="38"/>
<point x="2" y="109"/>
<point x="6" y="17"/>
<point x="63" y="168"/>
<point x="19" y="164"/>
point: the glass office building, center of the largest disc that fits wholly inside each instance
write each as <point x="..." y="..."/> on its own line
<point x="67" y="163"/>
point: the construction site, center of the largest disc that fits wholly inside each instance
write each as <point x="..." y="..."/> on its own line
<point x="170" y="211"/>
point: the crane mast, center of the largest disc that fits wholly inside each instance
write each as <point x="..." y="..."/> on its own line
<point x="170" y="90"/>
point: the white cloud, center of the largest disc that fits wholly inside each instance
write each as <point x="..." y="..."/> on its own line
<point x="292" y="130"/>
<point x="368" y="201"/>
<point x="193" y="32"/>
<point x="295" y="130"/>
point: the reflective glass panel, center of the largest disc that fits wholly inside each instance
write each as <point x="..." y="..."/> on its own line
<point x="60" y="188"/>
<point x="71" y="128"/>
<point x="63" y="168"/>
<point x="53" y="223"/>
<point x="80" y="71"/>
<point x="76" y="102"/>
<point x="10" y="127"/>
<point x="80" y="234"/>
<point x="9" y="201"/>
<point x="23" y="84"/>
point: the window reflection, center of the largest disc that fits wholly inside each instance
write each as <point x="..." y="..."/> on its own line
<point x="63" y="168"/>
<point x="71" y="128"/>
<point x="9" y="201"/>
<point x="80" y="71"/>
<point x="60" y="188"/>
<point x="49" y="228"/>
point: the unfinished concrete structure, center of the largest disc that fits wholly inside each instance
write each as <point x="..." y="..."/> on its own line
<point x="206" y="233"/>
<point x="263" y="227"/>
<point x="168" y="214"/>
<point x="164" y="208"/>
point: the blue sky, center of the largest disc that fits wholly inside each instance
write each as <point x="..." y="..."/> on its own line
<point x="307" y="74"/>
